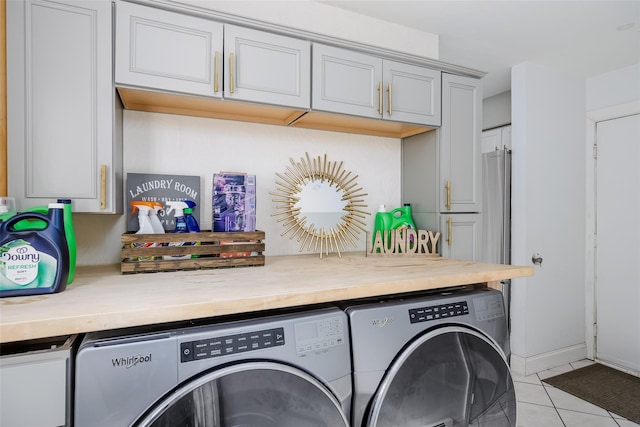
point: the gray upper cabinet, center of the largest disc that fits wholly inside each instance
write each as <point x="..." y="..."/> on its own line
<point x="354" y="83"/>
<point x="266" y="68"/>
<point x="168" y="51"/>
<point x="460" y="157"/>
<point x="346" y="82"/>
<point x="163" y="50"/>
<point x="64" y="120"/>
<point x="411" y="93"/>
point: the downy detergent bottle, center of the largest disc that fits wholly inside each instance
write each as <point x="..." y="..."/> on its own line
<point x="34" y="261"/>
<point x="37" y="224"/>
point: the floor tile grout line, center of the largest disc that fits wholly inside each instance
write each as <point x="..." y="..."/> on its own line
<point x="552" y="402"/>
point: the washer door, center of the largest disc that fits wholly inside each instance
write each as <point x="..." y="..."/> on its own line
<point x="452" y="376"/>
<point x="248" y="394"/>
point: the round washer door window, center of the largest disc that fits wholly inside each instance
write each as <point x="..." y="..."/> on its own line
<point x="261" y="394"/>
<point x="448" y="377"/>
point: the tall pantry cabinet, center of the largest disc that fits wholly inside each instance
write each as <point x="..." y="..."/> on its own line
<point x="450" y="158"/>
<point x="64" y="120"/>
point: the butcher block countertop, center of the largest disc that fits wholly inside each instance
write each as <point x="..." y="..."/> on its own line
<point x="100" y="298"/>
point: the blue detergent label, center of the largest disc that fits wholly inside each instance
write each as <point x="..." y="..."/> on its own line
<point x="23" y="266"/>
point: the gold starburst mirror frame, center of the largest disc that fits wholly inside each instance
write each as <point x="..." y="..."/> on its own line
<point x="320" y="202"/>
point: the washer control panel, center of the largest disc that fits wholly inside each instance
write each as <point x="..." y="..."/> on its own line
<point x="488" y="308"/>
<point x="319" y="335"/>
<point x="436" y="312"/>
<point x="230" y="344"/>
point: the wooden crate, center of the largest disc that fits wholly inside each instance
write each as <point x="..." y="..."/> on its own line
<point x="216" y="250"/>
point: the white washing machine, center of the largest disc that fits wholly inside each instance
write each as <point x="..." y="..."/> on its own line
<point x="284" y="370"/>
<point x="436" y="360"/>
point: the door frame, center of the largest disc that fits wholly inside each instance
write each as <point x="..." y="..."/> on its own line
<point x="593" y="117"/>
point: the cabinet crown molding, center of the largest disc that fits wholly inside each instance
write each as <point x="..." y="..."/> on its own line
<point x="227" y="18"/>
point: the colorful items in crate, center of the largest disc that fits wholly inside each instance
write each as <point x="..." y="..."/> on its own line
<point x="34" y="260"/>
<point x="148" y="223"/>
<point x="185" y="223"/>
<point x="234" y="202"/>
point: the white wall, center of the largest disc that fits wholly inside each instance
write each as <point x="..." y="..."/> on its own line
<point x="617" y="87"/>
<point x="548" y="205"/>
<point x="164" y="143"/>
<point x="157" y="143"/>
<point x="496" y="110"/>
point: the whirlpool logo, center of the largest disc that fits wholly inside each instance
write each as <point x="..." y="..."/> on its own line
<point x="131" y="361"/>
<point x="382" y="322"/>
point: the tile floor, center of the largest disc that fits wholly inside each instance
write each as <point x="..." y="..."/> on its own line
<point x="541" y="405"/>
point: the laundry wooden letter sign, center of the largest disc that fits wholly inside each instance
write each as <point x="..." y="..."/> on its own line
<point x="402" y="242"/>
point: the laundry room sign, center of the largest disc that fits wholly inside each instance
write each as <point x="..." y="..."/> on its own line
<point x="403" y="242"/>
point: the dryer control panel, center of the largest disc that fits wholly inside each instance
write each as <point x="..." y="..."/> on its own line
<point x="230" y="344"/>
<point x="438" y="311"/>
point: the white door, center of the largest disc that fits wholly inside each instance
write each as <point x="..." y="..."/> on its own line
<point x="618" y="242"/>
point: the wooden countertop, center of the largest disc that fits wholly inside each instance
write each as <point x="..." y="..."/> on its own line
<point x="100" y="298"/>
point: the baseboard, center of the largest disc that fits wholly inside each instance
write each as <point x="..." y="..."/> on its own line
<point x="541" y="362"/>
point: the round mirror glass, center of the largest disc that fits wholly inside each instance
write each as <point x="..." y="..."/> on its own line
<point x="321" y="204"/>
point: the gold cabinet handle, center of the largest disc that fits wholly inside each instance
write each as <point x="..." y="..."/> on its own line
<point x="103" y="187"/>
<point x="389" y="96"/>
<point x="232" y="73"/>
<point x="449" y="231"/>
<point x="447" y="186"/>
<point x="380" y="107"/>
<point x="216" y="72"/>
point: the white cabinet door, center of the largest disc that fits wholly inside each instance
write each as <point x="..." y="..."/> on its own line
<point x="64" y="139"/>
<point x="169" y="51"/>
<point x="412" y="93"/>
<point x="460" y="159"/>
<point x="460" y="236"/>
<point x="346" y="82"/>
<point x="267" y="68"/>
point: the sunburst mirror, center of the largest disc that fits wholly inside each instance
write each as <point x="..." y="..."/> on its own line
<point x="320" y="203"/>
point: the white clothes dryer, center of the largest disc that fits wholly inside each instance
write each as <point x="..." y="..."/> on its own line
<point x="286" y="370"/>
<point x="436" y="360"/>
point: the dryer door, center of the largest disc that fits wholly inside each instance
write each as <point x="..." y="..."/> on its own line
<point x="451" y="376"/>
<point x="248" y="394"/>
